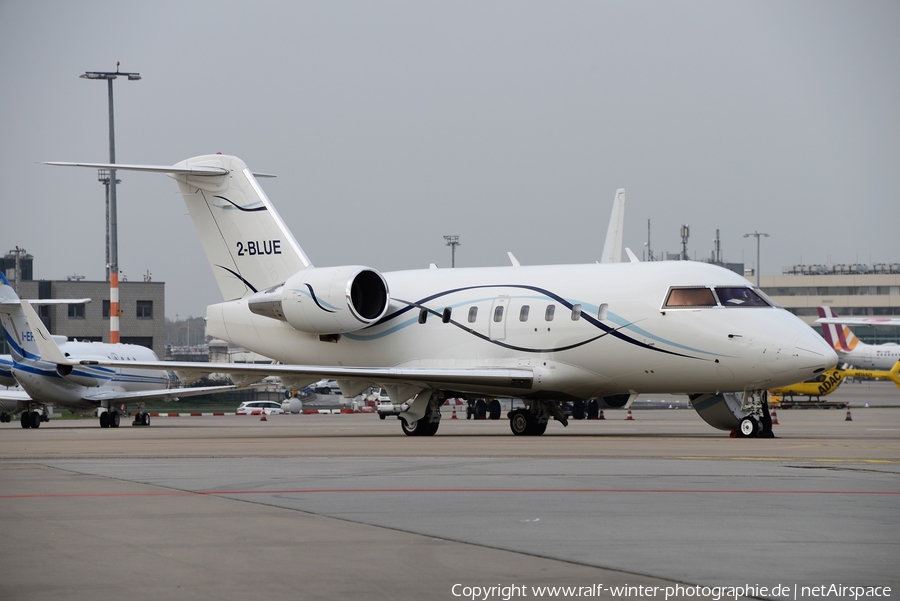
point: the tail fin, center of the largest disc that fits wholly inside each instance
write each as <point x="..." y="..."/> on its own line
<point x="612" y="248"/>
<point x="838" y="336"/>
<point x="247" y="244"/>
<point x="17" y="332"/>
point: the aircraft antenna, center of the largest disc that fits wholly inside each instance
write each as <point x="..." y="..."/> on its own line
<point x="685" y="234"/>
<point x="452" y="242"/>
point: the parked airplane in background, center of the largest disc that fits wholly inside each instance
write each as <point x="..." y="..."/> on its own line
<point x="78" y="388"/>
<point x="852" y="350"/>
<point x="540" y="333"/>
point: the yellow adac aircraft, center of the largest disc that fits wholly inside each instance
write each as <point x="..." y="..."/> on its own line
<point x="828" y="381"/>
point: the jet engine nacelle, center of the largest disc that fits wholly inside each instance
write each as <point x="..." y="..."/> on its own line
<point x="81" y="377"/>
<point x="326" y="300"/>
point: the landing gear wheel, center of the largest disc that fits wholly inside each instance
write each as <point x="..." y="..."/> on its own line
<point x="25" y="419"/>
<point x="411" y="429"/>
<point x="578" y="410"/>
<point x="146" y="419"/>
<point x="494" y="409"/>
<point x="480" y="409"/>
<point x="35" y="419"/>
<point x="749" y="427"/>
<point x="593" y="409"/>
<point x="104" y="419"/>
<point x="114" y="420"/>
<point x="538" y="429"/>
<point x="521" y="422"/>
<point x="429" y="429"/>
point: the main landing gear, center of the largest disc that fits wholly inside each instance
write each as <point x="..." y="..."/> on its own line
<point x="30" y="419"/>
<point x="109" y="418"/>
<point x="533" y="419"/>
<point x="428" y="424"/>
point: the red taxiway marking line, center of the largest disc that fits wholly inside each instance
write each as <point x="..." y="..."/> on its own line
<point x="449" y="490"/>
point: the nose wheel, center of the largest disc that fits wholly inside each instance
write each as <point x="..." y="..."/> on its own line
<point x="749" y="427"/>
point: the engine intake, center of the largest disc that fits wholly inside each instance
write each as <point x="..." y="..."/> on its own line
<point x="328" y="300"/>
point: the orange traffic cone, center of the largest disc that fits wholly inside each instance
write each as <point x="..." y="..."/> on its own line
<point x="600" y="415"/>
<point x="454" y="413"/>
<point x="774" y="417"/>
<point x="848" y="418"/>
<point x="629" y="416"/>
<point x="263" y="418"/>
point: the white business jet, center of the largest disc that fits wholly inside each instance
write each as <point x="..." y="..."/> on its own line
<point x="75" y="387"/>
<point x="606" y="331"/>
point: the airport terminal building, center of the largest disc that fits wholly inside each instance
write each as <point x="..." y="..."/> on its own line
<point x="857" y="290"/>
<point x="142" y="307"/>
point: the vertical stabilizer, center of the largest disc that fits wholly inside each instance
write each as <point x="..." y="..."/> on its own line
<point x="248" y="245"/>
<point x="612" y="248"/>
<point x="15" y="327"/>
<point x="839" y="336"/>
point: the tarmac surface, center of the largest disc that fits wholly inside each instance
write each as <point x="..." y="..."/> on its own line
<point x="345" y="506"/>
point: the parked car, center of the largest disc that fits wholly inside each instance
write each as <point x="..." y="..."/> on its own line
<point x="326" y="387"/>
<point x="259" y="407"/>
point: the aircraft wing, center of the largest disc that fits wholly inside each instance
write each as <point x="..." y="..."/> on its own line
<point x="460" y="379"/>
<point x="10" y="399"/>
<point x="861" y="321"/>
<point x="145" y="395"/>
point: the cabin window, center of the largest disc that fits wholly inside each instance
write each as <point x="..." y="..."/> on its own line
<point x="576" y="312"/>
<point x="548" y="314"/>
<point x="523" y="313"/>
<point x="498" y="313"/>
<point x="690" y="297"/>
<point x="423" y="315"/>
<point x="473" y="314"/>
<point x="740" y="297"/>
<point x="445" y="316"/>
<point x="603" y="311"/>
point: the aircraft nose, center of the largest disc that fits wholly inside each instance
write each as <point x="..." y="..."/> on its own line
<point x="812" y="353"/>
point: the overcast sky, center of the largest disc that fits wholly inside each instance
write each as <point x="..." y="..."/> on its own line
<point x="511" y="124"/>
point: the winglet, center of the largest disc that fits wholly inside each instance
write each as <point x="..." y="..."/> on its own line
<point x="46" y="345"/>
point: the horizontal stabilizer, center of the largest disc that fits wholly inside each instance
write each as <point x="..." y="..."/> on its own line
<point x="210" y="171"/>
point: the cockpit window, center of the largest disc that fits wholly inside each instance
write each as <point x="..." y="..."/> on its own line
<point x="690" y="297"/>
<point x="740" y="297"/>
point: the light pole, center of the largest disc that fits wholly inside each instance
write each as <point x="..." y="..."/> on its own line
<point x="109" y="76"/>
<point x="757" y="236"/>
<point x="452" y="242"/>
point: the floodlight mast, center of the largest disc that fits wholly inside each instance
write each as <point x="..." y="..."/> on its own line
<point x="112" y="223"/>
<point x="452" y="242"/>
<point x="757" y="236"/>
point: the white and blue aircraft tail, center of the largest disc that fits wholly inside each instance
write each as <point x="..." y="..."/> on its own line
<point x="548" y="333"/>
<point x="47" y="378"/>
